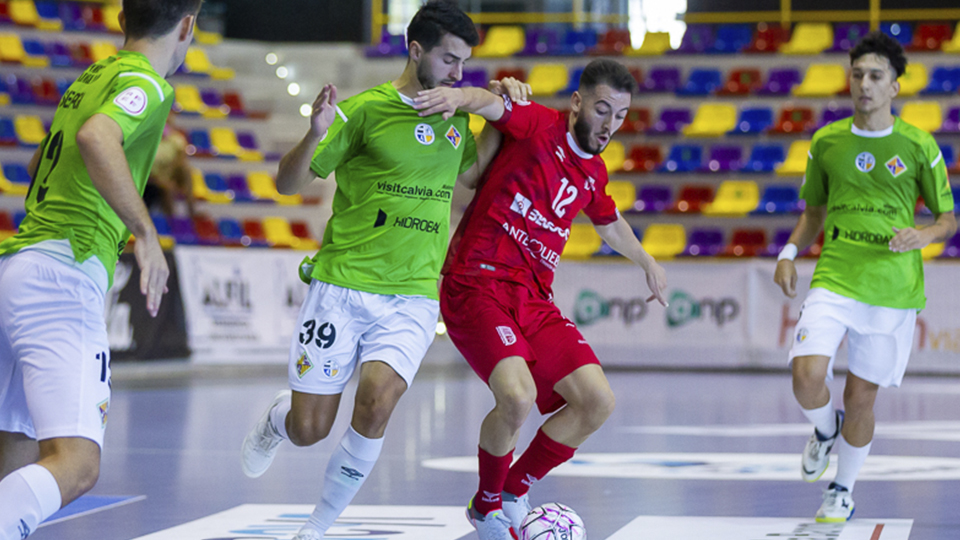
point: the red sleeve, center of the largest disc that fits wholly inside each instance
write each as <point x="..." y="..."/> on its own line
<point x="602" y="210"/>
<point x="523" y="119"/>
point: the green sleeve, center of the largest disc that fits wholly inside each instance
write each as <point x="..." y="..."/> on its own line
<point x="342" y="140"/>
<point x="469" y="149"/>
<point x="814" y="188"/>
<point x="133" y="99"/>
<point x="933" y="180"/>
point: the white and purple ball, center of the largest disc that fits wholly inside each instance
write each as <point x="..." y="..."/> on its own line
<point x="552" y="521"/>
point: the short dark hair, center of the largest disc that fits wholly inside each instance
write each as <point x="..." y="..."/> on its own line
<point x="882" y="45"/>
<point x="608" y="72"/>
<point x="437" y="17"/>
<point x="155" y="18"/>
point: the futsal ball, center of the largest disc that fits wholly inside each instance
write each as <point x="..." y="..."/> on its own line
<point x="552" y="521"/>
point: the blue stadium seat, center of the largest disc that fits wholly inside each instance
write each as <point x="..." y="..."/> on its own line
<point x="943" y="80"/>
<point x="59" y="54"/>
<point x="8" y="133"/>
<point x="778" y="199"/>
<point x="683" y="158"/>
<point x="701" y="82"/>
<point x="765" y="158"/>
<point x="578" y="42"/>
<point x="200" y="140"/>
<point x="18" y="218"/>
<point x="231" y="233"/>
<point x="900" y="31"/>
<point x="574" y="83"/>
<point x="162" y="225"/>
<point x="215" y="181"/>
<point x="753" y="121"/>
<point x="17" y="173"/>
<point x="949" y="158"/>
<point x="731" y="38"/>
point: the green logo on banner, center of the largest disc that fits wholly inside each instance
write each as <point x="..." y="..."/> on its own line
<point x="685" y="308"/>
<point x="591" y="307"/>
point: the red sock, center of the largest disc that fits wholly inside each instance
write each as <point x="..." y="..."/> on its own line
<point x="543" y="455"/>
<point x="493" y="472"/>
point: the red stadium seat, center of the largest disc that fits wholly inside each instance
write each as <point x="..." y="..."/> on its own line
<point x="930" y="37"/>
<point x="207" y="231"/>
<point x="642" y="159"/>
<point x="517" y="73"/>
<point x="612" y="42"/>
<point x="741" y="82"/>
<point x="794" y="120"/>
<point x="746" y="243"/>
<point x="691" y="199"/>
<point x="637" y="120"/>
<point x="253" y="229"/>
<point x="814" y="251"/>
<point x="768" y="38"/>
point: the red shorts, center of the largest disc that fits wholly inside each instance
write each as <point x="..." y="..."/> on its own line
<point x="489" y="320"/>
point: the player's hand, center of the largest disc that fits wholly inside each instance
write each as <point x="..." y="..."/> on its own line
<point x="657" y="281"/>
<point x="324" y="110"/>
<point x="153" y="271"/>
<point x="441" y="100"/>
<point x="908" y="239"/>
<point x="786" y="277"/>
<point x="512" y="88"/>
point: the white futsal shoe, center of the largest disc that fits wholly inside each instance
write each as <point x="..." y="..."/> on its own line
<point x="493" y="526"/>
<point x="515" y="508"/>
<point x="837" y="505"/>
<point x="816" y="455"/>
<point x="260" y="445"/>
<point x="308" y="534"/>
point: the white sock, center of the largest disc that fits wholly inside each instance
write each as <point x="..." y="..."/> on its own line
<point x="823" y="418"/>
<point x="849" y="461"/>
<point x="27" y="497"/>
<point x="349" y="466"/>
<point x="278" y="417"/>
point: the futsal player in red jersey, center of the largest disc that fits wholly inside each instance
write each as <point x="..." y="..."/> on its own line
<point x="496" y="296"/>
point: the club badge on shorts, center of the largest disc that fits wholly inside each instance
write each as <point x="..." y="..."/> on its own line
<point x="331" y="369"/>
<point x="104" y="408"/>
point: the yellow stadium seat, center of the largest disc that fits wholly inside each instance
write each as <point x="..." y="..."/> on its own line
<point x="925" y="115"/>
<point x="188" y="100"/>
<point x="952" y="46"/>
<point x="913" y="80"/>
<point x="263" y="186"/>
<point x="101" y="50"/>
<point x="654" y="44"/>
<point x="111" y="18"/>
<point x="624" y="194"/>
<point x="11" y="50"/>
<point x="197" y="61"/>
<point x="663" y="241"/>
<point x="24" y="13"/>
<point x="203" y="192"/>
<point x="932" y="251"/>
<point x="584" y="242"/>
<point x="9" y="188"/>
<point x="613" y="156"/>
<point x="476" y="124"/>
<point x="206" y="38"/>
<point x="796" y="163"/>
<point x="809" y="38"/>
<point x="735" y="198"/>
<point x="547" y="79"/>
<point x="712" y="120"/>
<point x="224" y="142"/>
<point x="30" y="130"/>
<point x="501" y="41"/>
<point x="278" y="232"/>
<point x="822" y="80"/>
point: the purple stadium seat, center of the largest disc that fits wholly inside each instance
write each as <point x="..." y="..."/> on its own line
<point x="237" y="183"/>
<point x="211" y="97"/>
<point x="474" y="77"/>
<point x="951" y="121"/>
<point x="704" y="243"/>
<point x="780" y="81"/>
<point x="653" y="199"/>
<point x="724" y="158"/>
<point x="846" y="35"/>
<point x="834" y="113"/>
<point x="59" y="54"/>
<point x="71" y="13"/>
<point x="390" y="45"/>
<point x="20" y="90"/>
<point x="696" y="40"/>
<point x="183" y="231"/>
<point x="780" y="238"/>
<point x="671" y="121"/>
<point x="540" y="42"/>
<point x="952" y="249"/>
<point x="661" y="79"/>
<point x="247" y="140"/>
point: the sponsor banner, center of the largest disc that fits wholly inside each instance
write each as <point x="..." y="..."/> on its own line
<point x="282" y="521"/>
<point x="753" y="528"/>
<point x="241" y="304"/>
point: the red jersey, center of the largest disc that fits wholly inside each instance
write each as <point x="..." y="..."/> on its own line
<point x="519" y="220"/>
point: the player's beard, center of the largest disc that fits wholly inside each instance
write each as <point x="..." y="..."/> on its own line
<point x="581" y="130"/>
<point x="424" y="77"/>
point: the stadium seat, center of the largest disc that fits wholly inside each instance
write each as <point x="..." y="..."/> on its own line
<point x="822" y="80"/>
<point x="768" y="38"/>
<point x="724" y="158"/>
<point x="753" y="121"/>
<point x="30" y="130"/>
<point x="14" y="180"/>
<point x="900" y="31"/>
<point x="952" y="45"/>
<point x="278" y="233"/>
<point x="584" y="242"/>
<point x="59" y="54"/>
<point x="832" y="113"/>
<point x="846" y="35"/>
<point x="943" y="80"/>
<point x="24" y="13"/>
<point x="254" y="234"/>
<point x="475" y="77"/>
<point x="932" y="251"/>
<point x="776" y="245"/>
<point x="540" y="42"/>
<point x="199" y="145"/>
<point x="741" y="82"/>
<point x="671" y="121"/>
<point x="19" y="90"/>
<point x="501" y="42"/>
<point x="613" y="156"/>
<point x="578" y="42"/>
<point x="519" y="74"/>
<point x="925" y="115"/>
<point x="691" y="200"/>
<point x="654" y="44"/>
<point x="18" y="218"/>
<point x="697" y="39"/>
<point x="642" y="159"/>
<point x="6" y="222"/>
<point x="11" y="50"/>
<point x="913" y="80"/>
<point x="951" y="122"/>
<point x="701" y="82"/>
<point x="613" y="42"/>
<point x="36" y="50"/>
<point x="746" y="243"/>
<point x="794" y="120"/>
<point x="198" y="63"/>
<point x="164" y="231"/>
<point x="49" y="16"/>
<point x="796" y="162"/>
<point x="545" y="80"/>
<point x="949" y="158"/>
<point x="809" y="38"/>
<point x="111" y="18"/>
<point x="238" y="188"/>
<point x="731" y="38"/>
<point x="780" y="82"/>
<point x="225" y="144"/>
<point x="735" y="198"/>
<point x="390" y="45"/>
<point x="683" y="158"/>
<point x="637" y="121"/>
<point x="704" y="243"/>
<point x="624" y="194"/>
<point x="264" y="187"/>
<point x="951" y="248"/>
<point x="778" y="199"/>
<point x="80" y="55"/>
<point x="202" y="191"/>
<point x="101" y="50"/>
<point x="188" y="100"/>
<point x="45" y="92"/>
<point x="235" y="102"/>
<point x="573" y="84"/>
<point x="301" y="230"/>
<point x="184" y="231"/>
<point x="661" y="79"/>
<point x="664" y="241"/>
<point x="208" y="234"/>
<point x="71" y="15"/>
<point x="653" y="199"/>
<point x="8" y="133"/>
<point x="213" y="99"/>
<point x="930" y="36"/>
<point x="231" y="233"/>
<point x="712" y="120"/>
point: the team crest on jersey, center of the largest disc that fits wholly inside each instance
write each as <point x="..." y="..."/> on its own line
<point x="132" y="100"/>
<point x="865" y="162"/>
<point x="303" y="365"/>
<point x="454" y="137"/>
<point x="424" y="134"/>
<point x="104" y="408"/>
<point x="331" y="368"/>
<point x="896" y="166"/>
<point x="507" y="335"/>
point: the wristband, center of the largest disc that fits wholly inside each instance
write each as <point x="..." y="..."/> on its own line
<point x="789" y="252"/>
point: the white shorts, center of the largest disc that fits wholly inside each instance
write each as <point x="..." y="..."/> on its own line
<point x="339" y="328"/>
<point x="879" y="338"/>
<point x="54" y="353"/>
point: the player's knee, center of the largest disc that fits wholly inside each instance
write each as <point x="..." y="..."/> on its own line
<point x="307" y="431"/>
<point x="516" y="405"/>
<point x="858" y="400"/>
<point x="807" y="375"/>
<point x="87" y="477"/>
<point x="598" y="407"/>
<point x="372" y="412"/>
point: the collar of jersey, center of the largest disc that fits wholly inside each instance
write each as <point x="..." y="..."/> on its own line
<point x="872" y="134"/>
<point x="572" y="143"/>
<point x="403" y="98"/>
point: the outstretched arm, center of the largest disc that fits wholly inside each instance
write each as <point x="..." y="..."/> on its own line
<point x="485" y="103"/>
<point x="804" y="234"/>
<point x="620" y="237"/>
<point x="294" y="172"/>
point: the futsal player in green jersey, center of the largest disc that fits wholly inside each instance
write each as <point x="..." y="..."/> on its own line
<point x="83" y="204"/>
<point x="863" y="177"/>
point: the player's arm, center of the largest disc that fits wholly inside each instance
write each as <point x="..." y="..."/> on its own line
<point x="620" y="237"/>
<point x="804" y="234"/>
<point x="486" y="103"/>
<point x="488" y="143"/>
<point x="295" y="173"/>
<point x="911" y="238"/>
<point x="100" y="141"/>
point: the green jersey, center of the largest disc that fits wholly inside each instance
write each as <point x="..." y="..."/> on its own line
<point x="62" y="203"/>
<point x="869" y="182"/>
<point x="395" y="177"/>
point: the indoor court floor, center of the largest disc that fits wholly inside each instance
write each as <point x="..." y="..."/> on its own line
<point x="686" y="455"/>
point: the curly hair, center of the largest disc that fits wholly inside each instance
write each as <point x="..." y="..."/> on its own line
<point x="882" y="45"/>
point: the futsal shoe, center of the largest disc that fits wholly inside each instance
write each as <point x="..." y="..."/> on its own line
<point x="308" y="534"/>
<point x="515" y="508"/>
<point x="816" y="455"/>
<point x="493" y="526"/>
<point x="837" y="505"/>
<point x="260" y="445"/>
